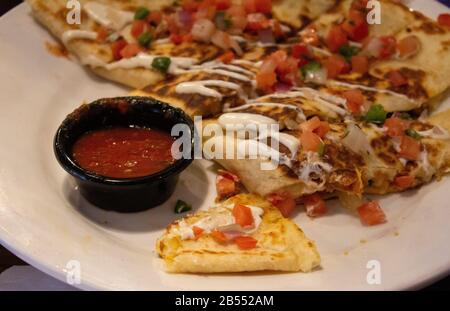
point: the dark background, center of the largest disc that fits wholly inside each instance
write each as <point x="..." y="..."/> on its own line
<point x="7" y="259"/>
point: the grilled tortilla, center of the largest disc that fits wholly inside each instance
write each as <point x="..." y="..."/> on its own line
<point x="95" y="55"/>
<point x="427" y="72"/>
<point x="357" y="158"/>
<point x="281" y="246"/>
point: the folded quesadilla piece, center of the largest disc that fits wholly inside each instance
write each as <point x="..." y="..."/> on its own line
<point x="116" y="16"/>
<point x="245" y="233"/>
<point x="350" y="156"/>
<point x="399" y="63"/>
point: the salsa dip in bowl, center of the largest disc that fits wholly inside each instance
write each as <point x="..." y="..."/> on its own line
<point x="119" y="150"/>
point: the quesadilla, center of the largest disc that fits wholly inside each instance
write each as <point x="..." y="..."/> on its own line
<point x="245" y="233"/>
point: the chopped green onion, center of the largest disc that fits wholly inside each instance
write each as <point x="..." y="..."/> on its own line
<point x="412" y="133"/>
<point x="145" y="39"/>
<point x="321" y="149"/>
<point x="310" y="67"/>
<point x="161" y="63"/>
<point x="376" y="114"/>
<point x="182" y="207"/>
<point x="141" y="13"/>
<point x="348" y="51"/>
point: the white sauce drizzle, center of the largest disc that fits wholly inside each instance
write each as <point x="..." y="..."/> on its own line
<point x="108" y="16"/>
<point x="221" y="219"/>
<point x="145" y="60"/>
<point x="201" y="88"/>
<point x="234" y="118"/>
<point x="437" y="132"/>
<point x="74" y="34"/>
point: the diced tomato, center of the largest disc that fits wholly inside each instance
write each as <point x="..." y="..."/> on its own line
<point x="102" y="34"/>
<point x="444" y="19"/>
<point x="278" y="57"/>
<point x="225" y="186"/>
<point x="371" y="214"/>
<point x="315" y="206"/>
<point x="219" y="236"/>
<point x="408" y="46"/>
<point x="300" y="50"/>
<point x="117" y="47"/>
<point x="263" y="6"/>
<point x="397" y="79"/>
<point x="243" y="215"/>
<point x="176" y="38"/>
<point x="138" y="28"/>
<point x="360" y="64"/>
<point x="226" y="57"/>
<point x="223" y="5"/>
<point x="396" y="126"/>
<point x="238" y="17"/>
<point x="228" y="175"/>
<point x="249" y="5"/>
<point x="197" y="231"/>
<point x="283" y="201"/>
<point x="314" y="124"/>
<point x="359" y="5"/>
<point x="188" y="38"/>
<point x="266" y="81"/>
<point x="155" y="17"/>
<point x="355" y="100"/>
<point x="404" y="182"/>
<point x="336" y="65"/>
<point x="409" y="148"/>
<point x="206" y="9"/>
<point x="356" y="25"/>
<point x="336" y="38"/>
<point x="288" y="70"/>
<point x="388" y="46"/>
<point x="190" y="5"/>
<point x="257" y="21"/>
<point x="130" y="50"/>
<point x="310" y="141"/>
<point x="245" y="242"/>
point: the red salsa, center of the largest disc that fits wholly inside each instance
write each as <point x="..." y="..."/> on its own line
<point x="124" y="152"/>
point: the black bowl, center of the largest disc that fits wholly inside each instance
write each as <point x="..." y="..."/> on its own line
<point x="130" y="194"/>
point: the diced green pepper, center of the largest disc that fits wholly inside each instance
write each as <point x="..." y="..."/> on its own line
<point x="412" y="133"/>
<point x="182" y="207"/>
<point x="348" y="51"/>
<point x="310" y="67"/>
<point x="141" y="13"/>
<point x="376" y="114"/>
<point x="161" y="63"/>
<point x="145" y="39"/>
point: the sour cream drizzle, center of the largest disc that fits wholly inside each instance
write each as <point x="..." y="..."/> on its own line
<point x="220" y="219"/>
<point x="201" y="87"/>
<point x="145" y="60"/>
<point x="108" y="16"/>
<point x="74" y="34"/>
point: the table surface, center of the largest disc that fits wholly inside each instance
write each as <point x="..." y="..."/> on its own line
<point x="7" y="259"/>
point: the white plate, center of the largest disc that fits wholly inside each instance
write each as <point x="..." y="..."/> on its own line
<point x="44" y="220"/>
